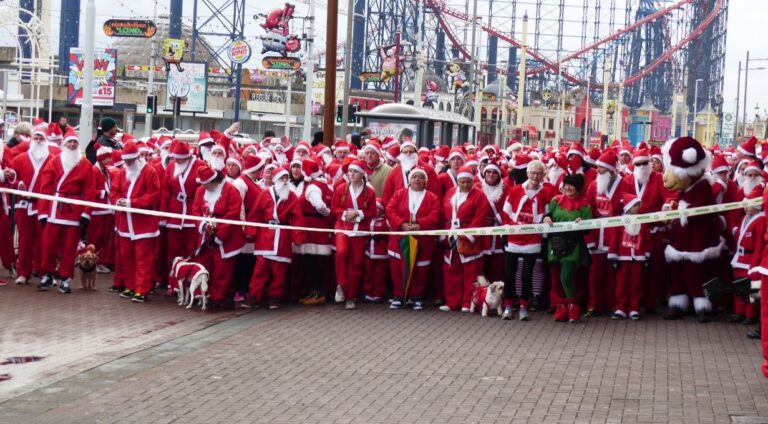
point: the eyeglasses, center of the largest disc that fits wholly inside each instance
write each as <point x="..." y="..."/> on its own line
<point x="537" y="173"/>
<point x="641" y="163"/>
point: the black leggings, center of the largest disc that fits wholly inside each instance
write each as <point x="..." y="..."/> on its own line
<point x="529" y="261"/>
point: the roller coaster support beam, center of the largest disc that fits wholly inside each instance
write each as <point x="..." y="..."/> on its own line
<point x="329" y="108"/>
<point x="521" y="74"/>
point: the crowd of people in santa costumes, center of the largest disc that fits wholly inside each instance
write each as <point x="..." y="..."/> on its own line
<point x="349" y="190"/>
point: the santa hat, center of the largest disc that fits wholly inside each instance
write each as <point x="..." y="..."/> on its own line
<point x="392" y="153"/>
<point x="165" y="141"/>
<point x="303" y="145"/>
<point x="408" y="143"/>
<point x="42" y="130"/>
<point x="71" y="135"/>
<point x="236" y="160"/>
<point x="685" y="157"/>
<point x="144" y="148"/>
<point x="252" y="164"/>
<point x="492" y="166"/>
<point x="753" y="165"/>
<point x="521" y="161"/>
<point x="180" y="150"/>
<point x="559" y="160"/>
<point x="205" y="175"/>
<point x="388" y="142"/>
<point x="625" y="149"/>
<point x="204" y="138"/>
<point x="467" y="146"/>
<point x="457" y="152"/>
<point x="311" y="169"/>
<point x="54" y="133"/>
<point x="656" y="153"/>
<point x="130" y="150"/>
<point x="442" y="152"/>
<point x="516" y="146"/>
<point x="279" y="172"/>
<point x="630" y="200"/>
<point x="319" y="149"/>
<point x="219" y="147"/>
<point x="341" y="145"/>
<point x="103" y="152"/>
<point x="126" y="137"/>
<point x="465" y="172"/>
<point x="593" y="156"/>
<point x="419" y="170"/>
<point x="576" y="149"/>
<point x="749" y="147"/>
<point x="719" y="164"/>
<point x="641" y="155"/>
<point x="357" y="166"/>
<point x="117" y="158"/>
<point x="472" y="161"/>
<point x="374" y="146"/>
<point x="608" y="160"/>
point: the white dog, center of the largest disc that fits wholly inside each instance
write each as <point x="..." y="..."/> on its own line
<point x="488" y="295"/>
<point x="193" y="274"/>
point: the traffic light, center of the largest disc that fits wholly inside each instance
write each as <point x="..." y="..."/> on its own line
<point x="339" y="113"/>
<point x="151" y="104"/>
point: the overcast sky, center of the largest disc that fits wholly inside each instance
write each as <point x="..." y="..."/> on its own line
<point x="746" y="28"/>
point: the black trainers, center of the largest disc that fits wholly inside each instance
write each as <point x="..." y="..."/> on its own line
<point x="138" y="298"/>
<point x="45" y="283"/>
<point x="115" y="289"/>
<point x="127" y="294"/>
<point x="64" y="287"/>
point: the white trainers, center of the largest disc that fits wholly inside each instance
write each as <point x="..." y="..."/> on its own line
<point x="339" y="294"/>
<point x="618" y="314"/>
<point x="507" y="314"/>
<point x="465" y="310"/>
<point x="445" y="308"/>
<point x="21" y="279"/>
<point x="350" y="305"/>
<point x="523" y="313"/>
<point x="101" y="269"/>
<point x="634" y="315"/>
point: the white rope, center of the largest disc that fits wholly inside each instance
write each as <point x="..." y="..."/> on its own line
<point x="557" y="227"/>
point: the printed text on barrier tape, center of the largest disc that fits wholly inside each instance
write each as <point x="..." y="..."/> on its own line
<point x="557" y="227"/>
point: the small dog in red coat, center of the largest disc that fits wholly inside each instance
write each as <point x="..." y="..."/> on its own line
<point x="488" y="295"/>
<point x="195" y="276"/>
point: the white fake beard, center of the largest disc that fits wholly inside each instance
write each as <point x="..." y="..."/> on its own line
<point x="408" y="161"/>
<point x="554" y="174"/>
<point x="164" y="154"/>
<point x="180" y="168"/>
<point x="749" y="184"/>
<point x="205" y="152"/>
<point x="739" y="179"/>
<point x="720" y="177"/>
<point x="217" y="164"/>
<point x="283" y="189"/>
<point x="492" y="192"/>
<point x="632" y="229"/>
<point x="281" y="158"/>
<point x="327" y="159"/>
<point x="603" y="181"/>
<point x="132" y="172"/>
<point x="70" y="159"/>
<point x="38" y="151"/>
<point x="642" y="174"/>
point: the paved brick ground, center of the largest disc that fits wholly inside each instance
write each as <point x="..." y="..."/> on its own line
<point x="327" y="365"/>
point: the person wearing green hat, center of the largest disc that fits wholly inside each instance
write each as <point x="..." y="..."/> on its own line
<point x="105" y="137"/>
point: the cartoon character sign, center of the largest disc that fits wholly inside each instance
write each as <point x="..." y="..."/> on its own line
<point x="389" y="65"/>
<point x="278" y="38"/>
<point x="173" y="53"/>
<point x="456" y="72"/>
<point x="430" y="92"/>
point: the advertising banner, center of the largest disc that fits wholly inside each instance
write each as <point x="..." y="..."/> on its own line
<point x="191" y="86"/>
<point x="104" y="76"/>
<point x="401" y="130"/>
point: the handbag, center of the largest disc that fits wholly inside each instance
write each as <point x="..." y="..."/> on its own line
<point x="562" y="247"/>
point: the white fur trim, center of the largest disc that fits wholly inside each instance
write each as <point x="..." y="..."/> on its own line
<point x="760" y="270"/>
<point x="464" y="175"/>
<point x="526" y="248"/>
<point x="689" y="155"/>
<point x="679" y="301"/>
<point x="312" y="249"/>
<point x="693" y="170"/>
<point x="702" y="304"/>
<point x="674" y="255"/>
<point x="605" y="165"/>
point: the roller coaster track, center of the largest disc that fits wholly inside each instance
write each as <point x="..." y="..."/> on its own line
<point x="440" y="10"/>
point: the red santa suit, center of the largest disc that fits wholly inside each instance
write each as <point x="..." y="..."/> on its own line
<point x="461" y="258"/>
<point x="376" y="258"/>
<point x="62" y="231"/>
<point x="27" y="170"/>
<point x="762" y="272"/>
<point x="750" y="243"/>
<point x="101" y="228"/>
<point x="631" y="248"/>
<point x="272" y="246"/>
<point x="422" y="208"/>
<point x="350" y="247"/>
<point x="493" y="262"/>
<point x="136" y="232"/>
<point x="653" y="197"/>
<point x="601" y="275"/>
<point x="220" y="242"/>
<point x="398" y="180"/>
<point x="178" y="195"/>
<point x="694" y="246"/>
<point x="7" y="254"/>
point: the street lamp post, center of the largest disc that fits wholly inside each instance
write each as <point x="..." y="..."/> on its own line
<point x="695" y="104"/>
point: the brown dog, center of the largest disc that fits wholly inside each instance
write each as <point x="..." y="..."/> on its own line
<point x="86" y="262"/>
